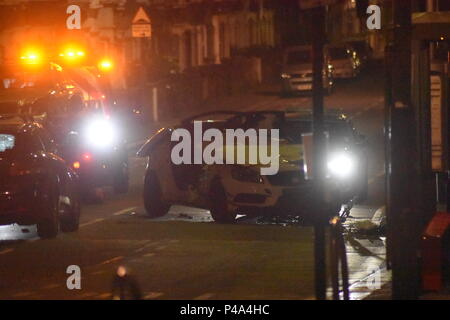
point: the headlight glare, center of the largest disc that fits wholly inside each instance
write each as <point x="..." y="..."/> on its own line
<point x="341" y="165"/>
<point x="100" y="132"/>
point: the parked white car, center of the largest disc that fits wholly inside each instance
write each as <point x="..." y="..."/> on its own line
<point x="230" y="189"/>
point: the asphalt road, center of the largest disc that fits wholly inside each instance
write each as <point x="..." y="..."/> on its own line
<point x="185" y="256"/>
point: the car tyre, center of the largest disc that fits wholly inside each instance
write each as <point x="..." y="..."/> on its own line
<point x="70" y="219"/>
<point x="153" y="202"/>
<point x="219" y="204"/>
<point x="48" y="227"/>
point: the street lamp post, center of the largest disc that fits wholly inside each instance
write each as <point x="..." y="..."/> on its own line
<point x="319" y="153"/>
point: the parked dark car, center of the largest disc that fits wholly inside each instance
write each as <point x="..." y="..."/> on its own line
<point x="36" y="185"/>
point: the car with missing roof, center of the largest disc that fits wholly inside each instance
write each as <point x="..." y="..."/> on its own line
<point x="231" y="189"/>
<point x="36" y="185"/>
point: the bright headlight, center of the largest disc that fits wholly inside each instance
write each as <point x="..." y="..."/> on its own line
<point x="100" y="132"/>
<point x="341" y="165"/>
<point x="285" y="76"/>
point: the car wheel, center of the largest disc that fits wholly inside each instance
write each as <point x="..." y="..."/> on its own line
<point x="121" y="179"/>
<point x="70" y="217"/>
<point x="48" y="226"/>
<point x="153" y="202"/>
<point x="219" y="204"/>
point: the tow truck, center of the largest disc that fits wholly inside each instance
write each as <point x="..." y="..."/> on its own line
<point x="70" y="103"/>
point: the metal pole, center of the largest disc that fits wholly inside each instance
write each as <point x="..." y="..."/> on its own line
<point x="403" y="198"/>
<point x="319" y="167"/>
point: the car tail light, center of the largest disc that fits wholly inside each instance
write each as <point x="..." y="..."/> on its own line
<point x="86" y="156"/>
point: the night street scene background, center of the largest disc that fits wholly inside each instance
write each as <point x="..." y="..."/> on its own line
<point x="230" y="150"/>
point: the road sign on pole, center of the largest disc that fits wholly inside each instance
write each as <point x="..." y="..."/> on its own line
<point x="142" y="25"/>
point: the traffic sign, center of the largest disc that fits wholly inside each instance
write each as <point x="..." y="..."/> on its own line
<point x="141" y="16"/>
<point x="309" y="4"/>
<point x="141" y="30"/>
<point x="142" y="26"/>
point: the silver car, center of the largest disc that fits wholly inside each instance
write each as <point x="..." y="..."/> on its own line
<point x="345" y="61"/>
<point x="297" y="70"/>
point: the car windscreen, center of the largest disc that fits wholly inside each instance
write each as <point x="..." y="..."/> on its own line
<point x="338" y="53"/>
<point x="38" y="80"/>
<point x="299" y="57"/>
<point x="34" y="82"/>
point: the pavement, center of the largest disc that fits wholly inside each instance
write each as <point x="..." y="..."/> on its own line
<point x="171" y="256"/>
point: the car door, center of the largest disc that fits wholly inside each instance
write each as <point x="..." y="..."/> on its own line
<point x="186" y="175"/>
<point x="39" y="170"/>
<point x="158" y="150"/>
<point x="55" y="165"/>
